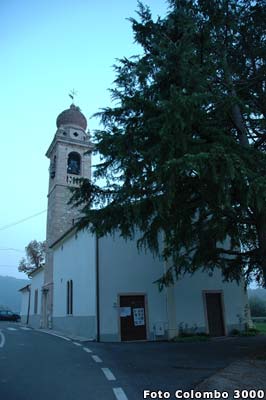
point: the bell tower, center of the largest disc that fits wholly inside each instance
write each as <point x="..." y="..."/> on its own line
<point x="70" y="159"/>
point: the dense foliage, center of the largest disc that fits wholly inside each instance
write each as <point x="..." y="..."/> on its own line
<point x="182" y="149"/>
<point x="35" y="256"/>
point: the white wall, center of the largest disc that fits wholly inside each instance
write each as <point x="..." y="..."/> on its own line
<point x="189" y="298"/>
<point x="36" y="283"/>
<point x="75" y="259"/>
<point x="24" y="302"/>
<point x="123" y="270"/>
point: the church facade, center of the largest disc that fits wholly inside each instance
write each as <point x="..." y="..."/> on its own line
<point x="103" y="289"/>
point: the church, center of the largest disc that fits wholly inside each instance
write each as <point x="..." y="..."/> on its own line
<point x="103" y="288"/>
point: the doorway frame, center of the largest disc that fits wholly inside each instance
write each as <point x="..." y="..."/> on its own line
<point x="119" y="295"/>
<point x="221" y="292"/>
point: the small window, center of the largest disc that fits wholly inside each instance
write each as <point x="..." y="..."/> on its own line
<point x="73" y="163"/>
<point x="36" y="301"/>
<point x="69" y="297"/>
<point x="75" y="134"/>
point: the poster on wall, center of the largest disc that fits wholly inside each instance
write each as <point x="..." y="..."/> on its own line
<point x="125" y="311"/>
<point x="138" y="316"/>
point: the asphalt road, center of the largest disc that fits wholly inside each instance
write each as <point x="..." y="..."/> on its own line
<point x="38" y="366"/>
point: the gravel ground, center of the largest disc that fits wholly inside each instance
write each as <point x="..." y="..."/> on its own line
<point x="239" y="379"/>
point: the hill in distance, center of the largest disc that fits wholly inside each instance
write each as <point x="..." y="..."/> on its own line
<point x="10" y="297"/>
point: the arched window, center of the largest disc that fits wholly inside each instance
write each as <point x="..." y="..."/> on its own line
<point x="36" y="301"/>
<point x="73" y="163"/>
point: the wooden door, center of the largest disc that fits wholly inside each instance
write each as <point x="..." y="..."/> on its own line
<point x="132" y="318"/>
<point x="215" y="314"/>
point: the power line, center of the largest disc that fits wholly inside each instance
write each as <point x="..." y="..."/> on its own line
<point x="12" y="249"/>
<point x="22" y="220"/>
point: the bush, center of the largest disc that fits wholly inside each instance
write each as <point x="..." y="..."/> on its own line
<point x="250" y="332"/>
<point x="198" y="337"/>
<point x="235" y="332"/>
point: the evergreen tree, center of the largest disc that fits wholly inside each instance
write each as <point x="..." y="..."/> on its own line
<point x="183" y="149"/>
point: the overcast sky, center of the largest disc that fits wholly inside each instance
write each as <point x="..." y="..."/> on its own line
<point x="49" y="47"/>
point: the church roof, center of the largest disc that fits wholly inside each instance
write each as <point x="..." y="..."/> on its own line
<point x="72" y="115"/>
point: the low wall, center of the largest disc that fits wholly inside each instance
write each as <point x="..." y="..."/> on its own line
<point x="76" y="326"/>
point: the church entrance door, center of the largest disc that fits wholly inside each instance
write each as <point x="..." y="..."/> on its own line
<point x="133" y="317"/>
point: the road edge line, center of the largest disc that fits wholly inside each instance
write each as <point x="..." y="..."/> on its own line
<point x="53" y="334"/>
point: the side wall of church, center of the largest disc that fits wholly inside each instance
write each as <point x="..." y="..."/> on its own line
<point x="24" y="305"/>
<point x="74" y="260"/>
<point x="35" y="314"/>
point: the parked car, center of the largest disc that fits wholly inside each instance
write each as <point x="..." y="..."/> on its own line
<point x="6" y="315"/>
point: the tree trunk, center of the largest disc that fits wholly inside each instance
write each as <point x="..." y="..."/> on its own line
<point x="239" y="124"/>
<point x="236" y="114"/>
<point x="261" y="229"/>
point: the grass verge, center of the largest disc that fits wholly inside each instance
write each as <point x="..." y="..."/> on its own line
<point x="261" y="327"/>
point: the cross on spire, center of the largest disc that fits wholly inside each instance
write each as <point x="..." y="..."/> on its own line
<point x="72" y="94"/>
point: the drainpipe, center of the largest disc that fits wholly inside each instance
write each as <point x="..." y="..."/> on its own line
<point x="28" y="313"/>
<point x="97" y="291"/>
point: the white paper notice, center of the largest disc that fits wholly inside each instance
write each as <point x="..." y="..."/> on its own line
<point x="125" y="311"/>
<point x="138" y="316"/>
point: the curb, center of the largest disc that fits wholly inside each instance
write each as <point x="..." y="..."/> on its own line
<point x="63" y="336"/>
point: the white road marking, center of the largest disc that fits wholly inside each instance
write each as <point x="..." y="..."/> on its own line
<point x="108" y="374"/>
<point x="12" y="329"/>
<point x="120" y="394"/>
<point x="24" y="328"/>
<point x="87" y="350"/>
<point x="77" y="344"/>
<point x="96" y="359"/>
<point x="2" y="337"/>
